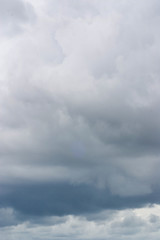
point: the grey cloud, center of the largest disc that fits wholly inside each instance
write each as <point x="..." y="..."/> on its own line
<point x="15" y="9"/>
<point x="79" y="101"/>
<point x="60" y="199"/>
<point x="8" y="217"/>
<point x="154" y="218"/>
<point x="13" y="14"/>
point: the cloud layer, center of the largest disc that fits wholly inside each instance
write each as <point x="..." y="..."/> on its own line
<point x="79" y="109"/>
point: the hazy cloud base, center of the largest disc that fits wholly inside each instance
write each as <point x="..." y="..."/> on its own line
<point x="79" y="114"/>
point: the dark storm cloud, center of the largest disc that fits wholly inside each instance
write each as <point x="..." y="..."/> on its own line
<point x="61" y="199"/>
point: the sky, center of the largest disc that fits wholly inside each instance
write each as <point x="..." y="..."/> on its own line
<point x="79" y="119"/>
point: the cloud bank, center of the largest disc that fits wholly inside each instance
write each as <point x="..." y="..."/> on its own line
<point x="79" y="118"/>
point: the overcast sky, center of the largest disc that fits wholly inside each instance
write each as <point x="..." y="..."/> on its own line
<point x="79" y="119"/>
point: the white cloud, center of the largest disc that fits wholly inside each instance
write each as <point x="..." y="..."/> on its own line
<point x="125" y="224"/>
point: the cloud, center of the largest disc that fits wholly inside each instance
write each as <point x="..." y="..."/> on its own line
<point x="115" y="225"/>
<point x="61" y="199"/>
<point x="13" y="15"/>
<point x="8" y="217"/>
<point x="79" y="108"/>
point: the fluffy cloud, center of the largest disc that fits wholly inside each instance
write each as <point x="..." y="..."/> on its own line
<point x="127" y="224"/>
